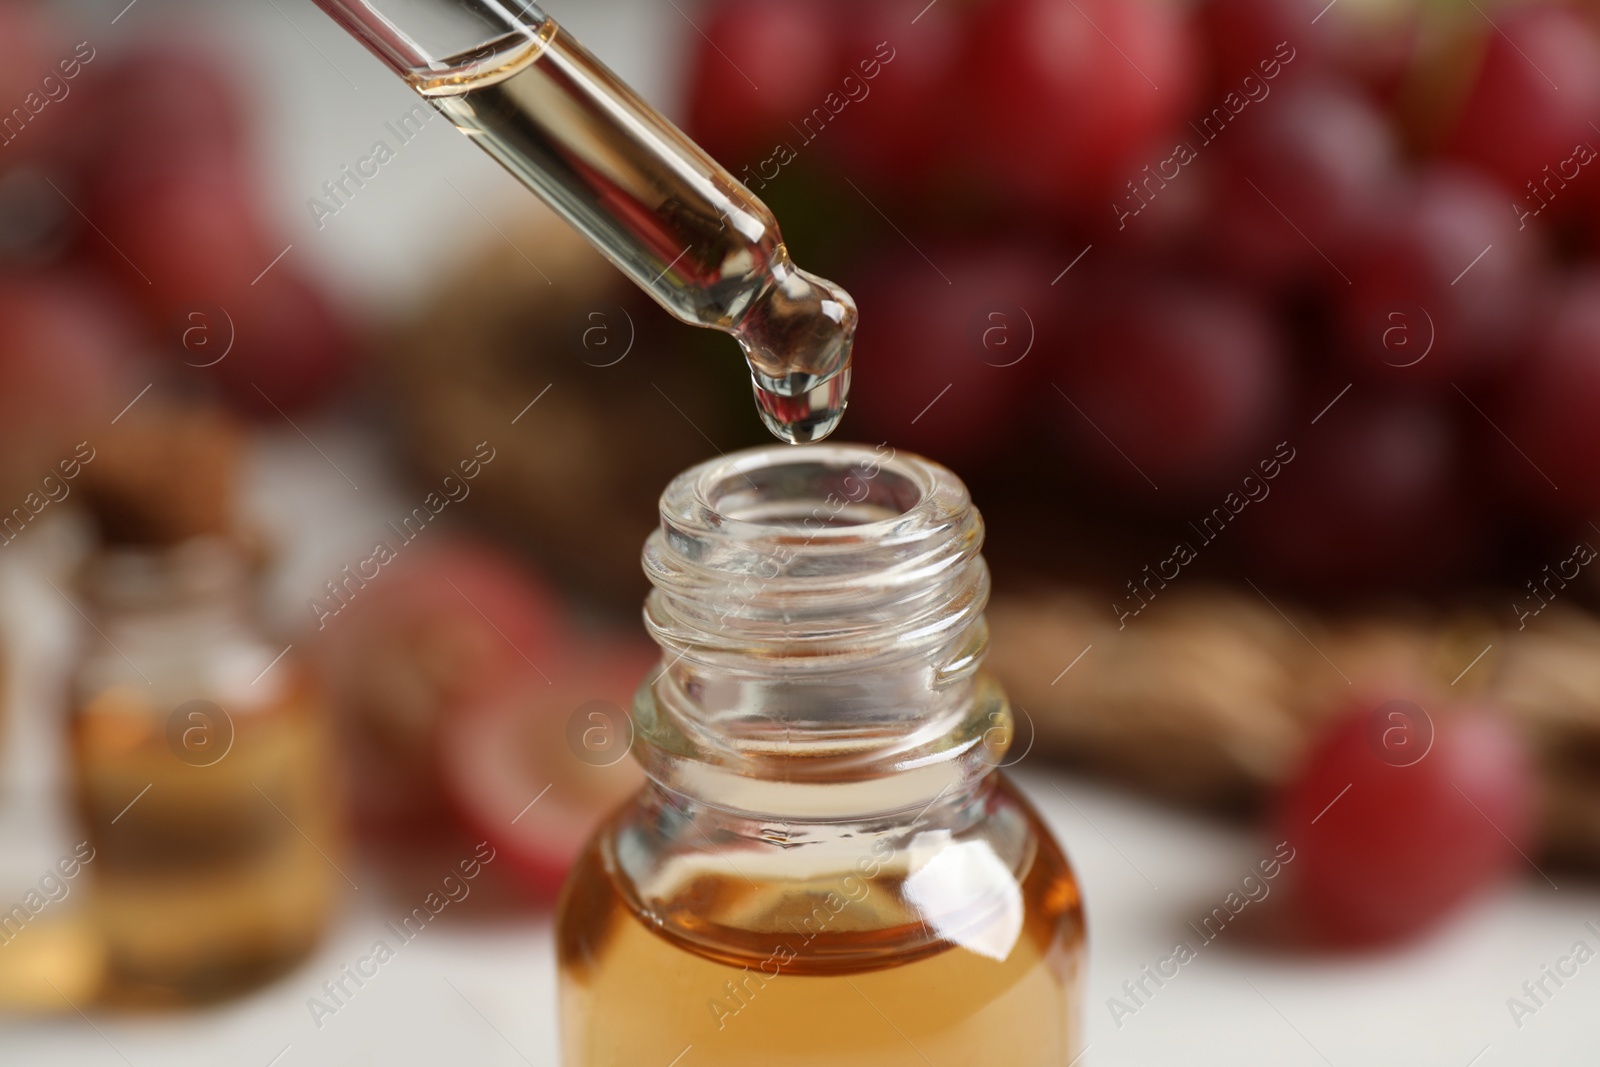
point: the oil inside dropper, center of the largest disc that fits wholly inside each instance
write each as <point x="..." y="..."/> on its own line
<point x="665" y="213"/>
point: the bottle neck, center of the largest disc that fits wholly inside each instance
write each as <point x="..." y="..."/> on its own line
<point x="177" y="622"/>
<point x="195" y="585"/>
<point x="820" y="613"/>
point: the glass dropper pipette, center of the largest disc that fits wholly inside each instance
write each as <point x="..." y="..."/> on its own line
<point x="668" y="215"/>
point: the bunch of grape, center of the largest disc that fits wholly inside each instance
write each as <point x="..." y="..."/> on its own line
<point x="1149" y="243"/>
<point x="133" y="241"/>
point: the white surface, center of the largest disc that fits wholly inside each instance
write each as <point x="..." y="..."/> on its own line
<point x="483" y="994"/>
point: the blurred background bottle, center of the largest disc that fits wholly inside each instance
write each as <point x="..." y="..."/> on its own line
<point x="201" y="761"/>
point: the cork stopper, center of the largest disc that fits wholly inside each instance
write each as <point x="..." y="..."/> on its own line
<point x="164" y="478"/>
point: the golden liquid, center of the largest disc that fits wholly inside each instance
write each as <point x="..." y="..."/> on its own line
<point x="216" y="878"/>
<point x="808" y="988"/>
<point x="665" y="213"/>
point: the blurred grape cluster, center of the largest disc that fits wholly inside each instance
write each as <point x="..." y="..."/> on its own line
<point x="134" y="243"/>
<point x="1333" y="261"/>
<point x="1148" y="242"/>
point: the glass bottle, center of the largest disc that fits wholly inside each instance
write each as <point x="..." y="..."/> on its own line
<point x="203" y="777"/>
<point x="826" y="865"/>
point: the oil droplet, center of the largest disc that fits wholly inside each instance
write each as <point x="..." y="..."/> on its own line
<point x="810" y="416"/>
<point x="797" y="338"/>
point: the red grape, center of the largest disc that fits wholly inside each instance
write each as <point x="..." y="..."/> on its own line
<point x="759" y="66"/>
<point x="441" y="626"/>
<point x="899" y="128"/>
<point x="169" y="183"/>
<point x="1444" y="251"/>
<point x="1391" y="832"/>
<point x="1068" y="101"/>
<point x="1535" y="93"/>
<point x="1370" y="497"/>
<point x="945" y="366"/>
<point x="1549" y="406"/>
<point x="186" y="240"/>
<point x="163" y="101"/>
<point x="1239" y="34"/>
<point x="1372" y="43"/>
<point x="185" y="232"/>
<point x="1167" y="381"/>
<point x="291" y="350"/>
<point x="1313" y="161"/>
<point x="535" y="767"/>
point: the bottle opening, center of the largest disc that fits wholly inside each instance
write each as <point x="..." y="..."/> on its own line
<point x="827" y="493"/>
<point x="827" y="519"/>
<point x="804" y="495"/>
